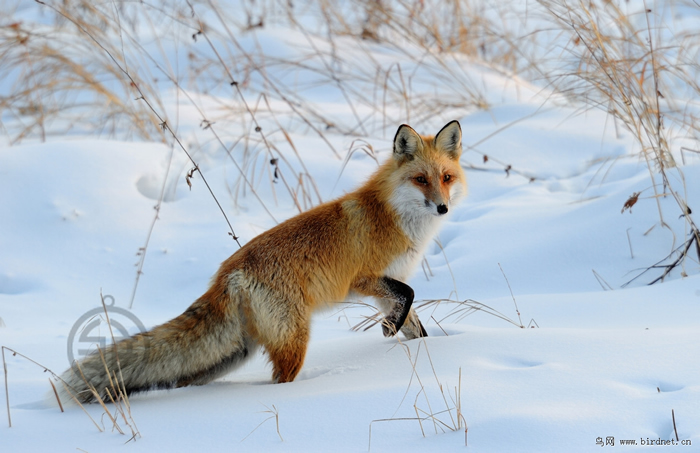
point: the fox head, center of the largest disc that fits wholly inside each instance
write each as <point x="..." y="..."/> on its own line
<point x="428" y="178"/>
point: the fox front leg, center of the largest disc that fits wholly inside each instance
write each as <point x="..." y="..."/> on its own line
<point x="394" y="299"/>
<point x="402" y="298"/>
<point x="412" y="327"/>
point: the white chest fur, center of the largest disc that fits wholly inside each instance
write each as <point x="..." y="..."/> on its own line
<point x="420" y="226"/>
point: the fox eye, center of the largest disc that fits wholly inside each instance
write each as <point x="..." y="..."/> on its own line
<point x="422" y="180"/>
<point x="446" y="178"/>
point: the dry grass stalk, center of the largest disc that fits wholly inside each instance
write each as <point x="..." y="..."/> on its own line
<point x="439" y="425"/>
<point x="461" y="310"/>
<point x="275" y="415"/>
<point x="55" y="392"/>
<point x="673" y="417"/>
<point x="7" y="391"/>
<point x="46" y="370"/>
<point x="512" y="296"/>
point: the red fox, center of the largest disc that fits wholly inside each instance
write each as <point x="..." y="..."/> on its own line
<point x="365" y="243"/>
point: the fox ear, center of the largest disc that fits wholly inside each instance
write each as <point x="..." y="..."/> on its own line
<point x="407" y="143"/>
<point x="449" y="139"/>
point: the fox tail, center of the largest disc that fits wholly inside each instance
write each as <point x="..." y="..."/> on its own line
<point x="205" y="342"/>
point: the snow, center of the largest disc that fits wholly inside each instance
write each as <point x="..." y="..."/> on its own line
<point x="600" y="358"/>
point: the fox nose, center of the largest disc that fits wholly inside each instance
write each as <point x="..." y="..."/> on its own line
<point x="442" y="209"/>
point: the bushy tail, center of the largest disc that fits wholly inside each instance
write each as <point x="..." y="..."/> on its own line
<point x="205" y="342"/>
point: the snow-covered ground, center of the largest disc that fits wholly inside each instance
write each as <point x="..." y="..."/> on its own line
<point x="597" y="361"/>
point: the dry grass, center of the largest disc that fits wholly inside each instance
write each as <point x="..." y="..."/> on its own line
<point x="459" y="310"/>
<point x="447" y="415"/>
<point x="644" y="71"/>
<point x="121" y="407"/>
<point x="129" y="70"/>
<point x="223" y="58"/>
<point x="59" y="82"/>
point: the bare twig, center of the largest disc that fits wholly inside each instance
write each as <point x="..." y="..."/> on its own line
<point x="142" y="251"/>
<point x="56" y="394"/>
<point x="673" y="417"/>
<point x="275" y="415"/>
<point x="7" y="391"/>
<point x="512" y="295"/>
<point x="604" y="284"/>
<point x="4" y="364"/>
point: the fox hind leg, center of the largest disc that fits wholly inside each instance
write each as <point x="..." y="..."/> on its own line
<point x="282" y="327"/>
<point x="288" y="358"/>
